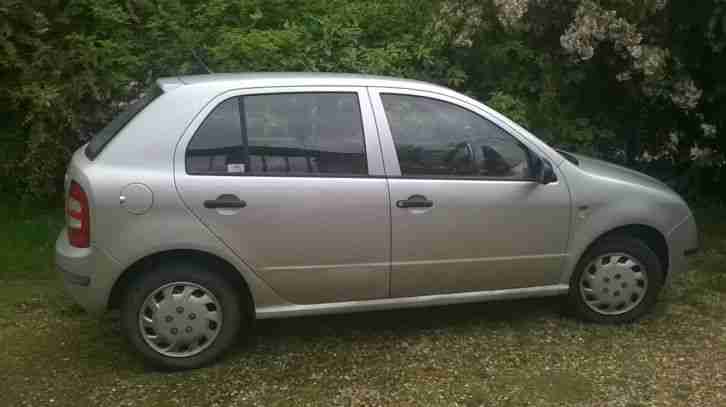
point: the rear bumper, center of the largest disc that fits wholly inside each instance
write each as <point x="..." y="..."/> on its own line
<point x="88" y="274"/>
<point x="682" y="243"/>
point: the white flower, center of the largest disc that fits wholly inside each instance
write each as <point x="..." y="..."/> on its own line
<point x="624" y="76"/>
<point x="686" y="94"/>
<point x="511" y="11"/>
<point x="709" y="130"/>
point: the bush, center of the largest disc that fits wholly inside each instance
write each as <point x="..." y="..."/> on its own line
<point x="612" y="79"/>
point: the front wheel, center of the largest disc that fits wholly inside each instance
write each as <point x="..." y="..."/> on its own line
<point x="181" y="315"/>
<point x="616" y="281"/>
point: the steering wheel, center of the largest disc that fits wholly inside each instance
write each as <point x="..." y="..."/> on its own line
<point x="451" y="158"/>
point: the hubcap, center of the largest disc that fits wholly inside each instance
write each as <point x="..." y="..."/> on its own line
<point x="180" y="319"/>
<point x="613" y="284"/>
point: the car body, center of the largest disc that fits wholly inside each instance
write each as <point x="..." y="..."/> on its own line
<point x="342" y="196"/>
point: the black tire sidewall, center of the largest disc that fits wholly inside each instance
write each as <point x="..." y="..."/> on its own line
<point x="633" y="247"/>
<point x="231" y="302"/>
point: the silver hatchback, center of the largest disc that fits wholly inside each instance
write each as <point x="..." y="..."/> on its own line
<point x="218" y="199"/>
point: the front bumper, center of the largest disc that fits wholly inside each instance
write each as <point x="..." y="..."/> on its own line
<point x="88" y="274"/>
<point x="682" y="242"/>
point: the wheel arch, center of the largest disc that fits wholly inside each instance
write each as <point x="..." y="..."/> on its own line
<point x="652" y="237"/>
<point x="151" y="261"/>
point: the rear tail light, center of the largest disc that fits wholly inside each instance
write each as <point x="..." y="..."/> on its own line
<point x="78" y="218"/>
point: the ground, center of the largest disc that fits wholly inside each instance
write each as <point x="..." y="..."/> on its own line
<point x="512" y="353"/>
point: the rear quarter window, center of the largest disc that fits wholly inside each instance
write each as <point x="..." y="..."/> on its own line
<point x="105" y="135"/>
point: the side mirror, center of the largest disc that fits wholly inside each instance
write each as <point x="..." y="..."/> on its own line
<point x="544" y="173"/>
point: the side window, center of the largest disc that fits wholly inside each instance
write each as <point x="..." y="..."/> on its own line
<point x="436" y="138"/>
<point x="216" y="147"/>
<point x="279" y="134"/>
<point x="305" y="133"/>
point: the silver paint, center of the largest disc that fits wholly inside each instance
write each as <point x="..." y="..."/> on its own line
<point x="295" y="310"/>
<point x="308" y="245"/>
<point x="136" y="198"/>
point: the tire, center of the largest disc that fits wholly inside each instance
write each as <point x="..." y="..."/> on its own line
<point x="615" y="271"/>
<point x="199" y="315"/>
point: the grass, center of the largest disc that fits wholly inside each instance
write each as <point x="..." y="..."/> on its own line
<point x="26" y="244"/>
<point x="498" y="354"/>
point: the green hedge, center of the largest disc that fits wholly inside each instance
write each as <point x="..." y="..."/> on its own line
<point x="654" y="73"/>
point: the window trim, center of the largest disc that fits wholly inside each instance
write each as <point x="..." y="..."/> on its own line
<point x="528" y="153"/>
<point x="194" y="134"/>
<point x="462" y="178"/>
<point x="390" y="154"/>
<point x="357" y="92"/>
<point x="243" y="129"/>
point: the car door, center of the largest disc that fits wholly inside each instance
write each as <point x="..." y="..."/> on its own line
<point x="291" y="179"/>
<point x="466" y="211"/>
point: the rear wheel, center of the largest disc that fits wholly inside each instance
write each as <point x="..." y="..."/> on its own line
<point x="616" y="281"/>
<point x="182" y="315"/>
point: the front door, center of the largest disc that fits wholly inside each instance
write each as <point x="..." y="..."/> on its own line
<point x="291" y="180"/>
<point x="466" y="211"/>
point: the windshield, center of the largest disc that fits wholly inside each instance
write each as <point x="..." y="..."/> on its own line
<point x="100" y="139"/>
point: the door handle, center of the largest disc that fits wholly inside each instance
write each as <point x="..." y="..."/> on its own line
<point x="415" y="201"/>
<point x="225" y="201"/>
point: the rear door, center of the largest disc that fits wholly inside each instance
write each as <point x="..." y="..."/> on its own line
<point x="467" y="213"/>
<point x="292" y="180"/>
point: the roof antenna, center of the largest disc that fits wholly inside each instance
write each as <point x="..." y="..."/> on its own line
<point x="201" y="61"/>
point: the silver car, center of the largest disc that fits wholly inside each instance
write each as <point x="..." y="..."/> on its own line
<point x="216" y="200"/>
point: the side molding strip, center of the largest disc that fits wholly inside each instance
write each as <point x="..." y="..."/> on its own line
<point x="417" y="262"/>
<point x="294" y="310"/>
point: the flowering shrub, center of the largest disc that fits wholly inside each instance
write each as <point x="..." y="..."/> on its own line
<point x="619" y="79"/>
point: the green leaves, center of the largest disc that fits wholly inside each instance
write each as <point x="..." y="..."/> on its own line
<point x="611" y="78"/>
<point x="509" y="106"/>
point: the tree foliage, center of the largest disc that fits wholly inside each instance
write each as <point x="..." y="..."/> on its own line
<point x="636" y="81"/>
